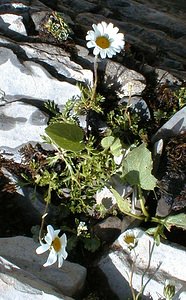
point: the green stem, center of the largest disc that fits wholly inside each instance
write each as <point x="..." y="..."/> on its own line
<point x="145" y="212"/>
<point x="44" y="213"/>
<point x="95" y="79"/>
<point x="130" y="282"/>
<point x="142" y="218"/>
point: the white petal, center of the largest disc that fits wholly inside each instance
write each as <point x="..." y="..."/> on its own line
<point x="96" y="29"/>
<point x="56" y="232"/>
<point x="42" y="249"/>
<point x="103" y="53"/>
<point x="110" y="53"/>
<point x="64" y="252"/>
<point x="104" y="27"/>
<point x="90" y="35"/>
<point x="52" y="258"/>
<point x="91" y="44"/>
<point x="60" y="261"/>
<point x="63" y="240"/>
<point x="100" y="28"/>
<point x="48" y="239"/>
<point x="111" y="30"/>
<point x="50" y="233"/>
<point x="96" y="51"/>
<point x="120" y="36"/>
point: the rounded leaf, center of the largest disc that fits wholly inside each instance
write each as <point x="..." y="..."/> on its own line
<point x="66" y="136"/>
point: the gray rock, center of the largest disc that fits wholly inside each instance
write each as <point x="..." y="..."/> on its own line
<point x="109" y="229"/>
<point x="117" y="267"/>
<point x="30" y="79"/>
<point x="166" y="77"/>
<point x="21" y="251"/>
<point x="58" y="59"/>
<point x="21" y="123"/>
<point x="16" y="283"/>
<point x="128" y="82"/>
<point x="137" y="105"/>
<point x="12" y="22"/>
<point x="158" y="37"/>
<point x="175" y="126"/>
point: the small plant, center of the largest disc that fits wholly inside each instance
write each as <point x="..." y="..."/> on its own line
<point x="83" y="161"/>
<point x="57" y="26"/>
<point x="169" y="290"/>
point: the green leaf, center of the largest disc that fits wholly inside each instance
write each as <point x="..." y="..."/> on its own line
<point x="113" y="143"/>
<point x="72" y="242"/>
<point x="92" y="244"/>
<point x="66" y="136"/>
<point x="157" y="232"/>
<point x="116" y="147"/>
<point x="178" y="220"/>
<point x="137" y="167"/>
<point x="107" y="141"/>
<point x="123" y="204"/>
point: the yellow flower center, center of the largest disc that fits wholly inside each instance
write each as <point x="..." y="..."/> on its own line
<point x="102" y="42"/>
<point x="129" y="239"/>
<point x="56" y="244"/>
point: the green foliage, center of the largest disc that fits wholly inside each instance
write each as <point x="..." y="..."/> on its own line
<point x="83" y="162"/>
<point x="57" y="26"/>
<point x="124" y="124"/>
<point x="181" y="96"/>
<point x="123" y="204"/>
<point x="92" y="244"/>
<point x="66" y="136"/>
<point x="178" y="220"/>
<point x="52" y="107"/>
<point x="168" y="103"/>
<point x="137" y="168"/>
<point x="157" y="233"/>
<point x="85" y="103"/>
<point x="113" y="144"/>
<point x="81" y="172"/>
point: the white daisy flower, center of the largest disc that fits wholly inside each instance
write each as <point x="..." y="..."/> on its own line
<point x="105" y="39"/>
<point x="56" y="245"/>
<point x="81" y="227"/>
<point x="128" y="240"/>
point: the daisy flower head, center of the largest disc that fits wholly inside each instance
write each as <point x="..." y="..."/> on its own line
<point x="56" y="245"/>
<point x="128" y="240"/>
<point x="105" y="39"/>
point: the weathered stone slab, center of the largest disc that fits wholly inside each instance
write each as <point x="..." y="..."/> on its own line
<point x="128" y="82"/>
<point x="19" y="284"/>
<point x="21" y="251"/>
<point x="30" y="79"/>
<point x="176" y="125"/>
<point x="21" y="123"/>
<point x="13" y="22"/>
<point x="169" y="256"/>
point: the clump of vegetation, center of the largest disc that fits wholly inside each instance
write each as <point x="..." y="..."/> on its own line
<point x="57" y="26"/>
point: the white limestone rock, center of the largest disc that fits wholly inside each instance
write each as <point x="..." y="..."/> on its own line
<point x="59" y="59"/>
<point x="30" y="79"/>
<point x="174" y="126"/>
<point x="21" y="251"/>
<point x="129" y="81"/>
<point x="16" y="283"/>
<point x="14" y="23"/>
<point x="117" y="267"/>
<point x="21" y="123"/>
